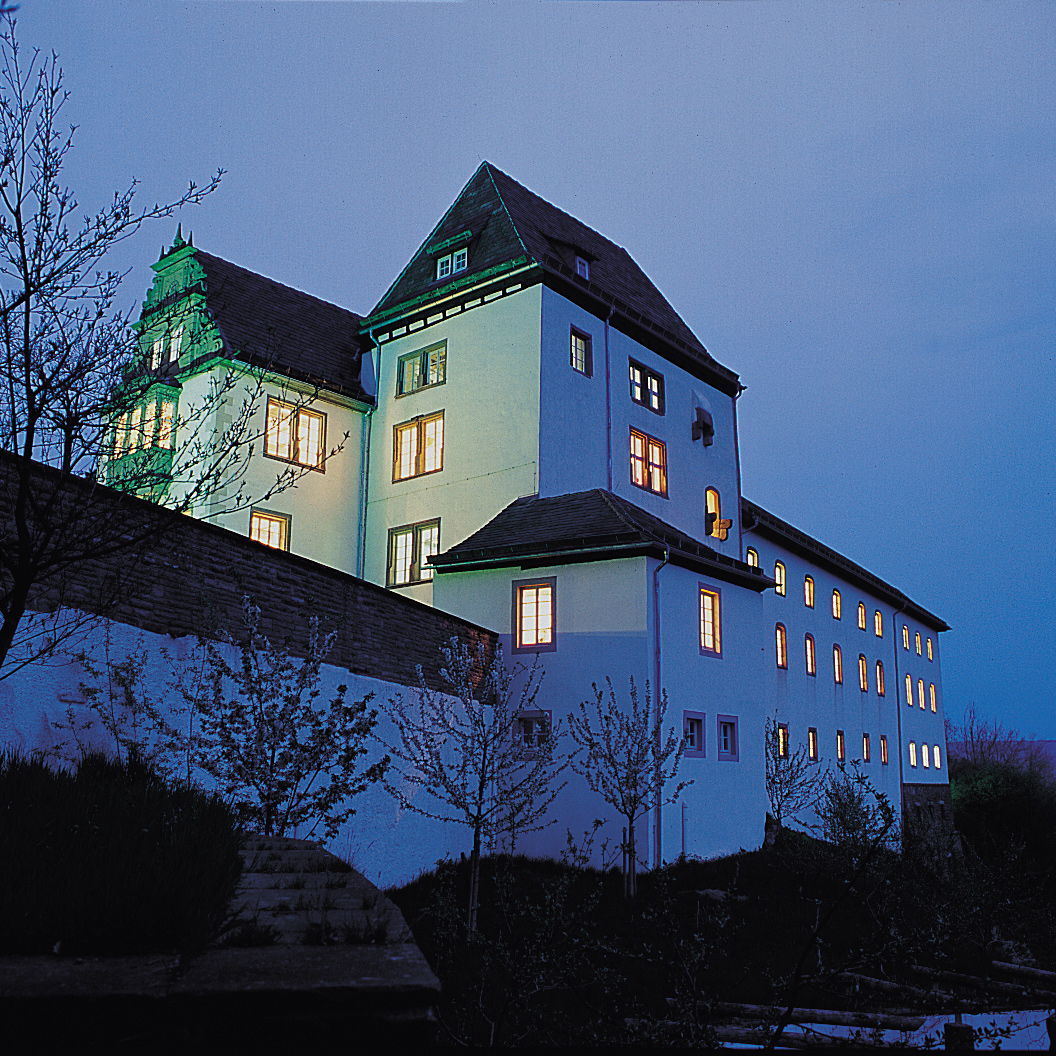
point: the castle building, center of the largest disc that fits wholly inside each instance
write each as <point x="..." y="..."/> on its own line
<point x="525" y="434"/>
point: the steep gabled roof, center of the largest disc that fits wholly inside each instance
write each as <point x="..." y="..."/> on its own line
<point x="292" y="333"/>
<point x="586" y="526"/>
<point x="504" y="222"/>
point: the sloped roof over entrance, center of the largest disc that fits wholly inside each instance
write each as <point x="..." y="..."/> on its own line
<point x="586" y="526"/>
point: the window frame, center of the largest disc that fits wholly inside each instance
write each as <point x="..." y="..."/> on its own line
<point x="574" y="333"/>
<point x="648" y="443"/>
<point x="293" y="426"/>
<point x="918" y="643"/>
<point x="696" y="717"/>
<point x="813" y="753"/>
<point x="417" y="564"/>
<point x="937" y="758"/>
<point x="837" y="606"/>
<point x="518" y="586"/>
<point x="931" y="698"/>
<point x="931" y="655"/>
<point x="583" y="267"/>
<point x="751" y="557"/>
<point x="841" y="747"/>
<point x="781" y="646"/>
<point x="913" y="754"/>
<point x="867" y="754"/>
<point x="880" y="688"/>
<point x="422" y="355"/>
<point x="884" y="757"/>
<point x="905" y="636"/>
<point x="909" y="690"/>
<point x="863" y="673"/>
<point x="878" y="624"/>
<point x="783" y="748"/>
<point x="811" y="655"/>
<point x="715" y="525"/>
<point x="545" y="717"/>
<point x="419" y="423"/>
<point x="780" y="578"/>
<point x="285" y="521"/>
<point x="920" y="694"/>
<point x="647" y="394"/>
<point x="808" y="591"/>
<point x="861" y="615"/>
<point x="715" y="594"/>
<point x="733" y="755"/>
<point x="837" y="665"/>
<point x="450" y="259"/>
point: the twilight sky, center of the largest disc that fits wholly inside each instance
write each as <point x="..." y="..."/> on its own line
<point x="852" y="205"/>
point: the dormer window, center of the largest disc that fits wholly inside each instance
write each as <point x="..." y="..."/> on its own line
<point x="583" y="268"/>
<point x="450" y="263"/>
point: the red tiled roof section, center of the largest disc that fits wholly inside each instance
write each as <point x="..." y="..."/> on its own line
<point x="291" y="332"/>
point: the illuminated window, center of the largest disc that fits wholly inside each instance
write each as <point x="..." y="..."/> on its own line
<point x="271" y="529"/>
<point x="409" y="547"/>
<point x="534" y="612"/>
<point x="714" y="524"/>
<point x="710" y="622"/>
<point x="779" y="579"/>
<point x="863" y="673"/>
<point x="930" y="655"/>
<point x="861" y="616"/>
<point x="836" y="605"/>
<point x="452" y="263"/>
<point x="878" y="624"/>
<point x="905" y="637"/>
<point x="728" y="746"/>
<point x="121" y="435"/>
<point x="782" y="646"/>
<point x="883" y="749"/>
<point x="879" y="678"/>
<point x="913" y="754"/>
<point x="648" y="463"/>
<point x="782" y="740"/>
<point x="841" y="747"/>
<point x="925" y="756"/>
<point x="157" y="350"/>
<point x="175" y="344"/>
<point x="865" y="747"/>
<point x="938" y="759"/>
<point x="166" y="424"/>
<point x="808" y="644"/>
<point x="647" y="387"/>
<point x="295" y="434"/>
<point x="909" y="691"/>
<point x="418" y="447"/>
<point x="752" y="558"/>
<point x="579" y="355"/>
<point x="918" y="643"/>
<point x="808" y="592"/>
<point x="421" y="369"/>
<point x="837" y="663"/>
<point x="583" y="268"/>
<point x="812" y="744"/>
<point x="920" y="692"/>
<point x="533" y="730"/>
<point x="931" y="694"/>
<point x="693" y="728"/>
<point x="135" y="432"/>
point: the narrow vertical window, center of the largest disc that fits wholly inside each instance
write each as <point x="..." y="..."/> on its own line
<point x="782" y="740"/>
<point x="836" y="605"/>
<point x="752" y="558"/>
<point x="167" y="423"/>
<point x="710" y="622"/>
<point x="861" y="616"/>
<point x="905" y="637"/>
<point x="693" y="728"/>
<point x="925" y="756"/>
<point x="808" y="644"/>
<point x="931" y="694"/>
<point x="930" y="655"/>
<point x="879" y="678"/>
<point x="909" y="690"/>
<point x="920" y="693"/>
<point x="779" y="579"/>
<point x="865" y="747"/>
<point x="863" y="673"/>
<point x="938" y="759"/>
<point x="782" y="646"/>
<point x="175" y="344"/>
<point x="812" y="744"/>
<point x="156" y="351"/>
<point x="121" y="435"/>
<point x="883" y="749"/>
<point x="583" y="268"/>
<point x="714" y="525"/>
<point x="580" y="354"/>
<point x="534" y="611"/>
<point x="727" y="733"/>
<point x="837" y="664"/>
<point x="808" y="592"/>
<point x="878" y="624"/>
<point x="841" y="747"/>
<point x="134" y="429"/>
<point x="913" y="754"/>
<point x="918" y="643"/>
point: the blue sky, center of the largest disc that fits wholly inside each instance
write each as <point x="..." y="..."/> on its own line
<point x="852" y="206"/>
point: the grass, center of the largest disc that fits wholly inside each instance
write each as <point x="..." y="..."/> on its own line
<point x="109" y="858"/>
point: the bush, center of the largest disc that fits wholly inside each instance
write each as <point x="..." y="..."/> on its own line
<point x="110" y="858"/>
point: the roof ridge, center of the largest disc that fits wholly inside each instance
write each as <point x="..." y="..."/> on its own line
<point x="505" y="209"/>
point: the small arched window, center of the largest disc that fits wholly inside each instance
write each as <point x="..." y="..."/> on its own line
<point x="861" y="616"/>
<point x="925" y="756"/>
<point x="837" y="664"/>
<point x="779" y="588"/>
<point x="836" y="605"/>
<point x="920" y="692"/>
<point x="863" y="673"/>
<point x="808" y="592"/>
<point x="931" y="692"/>
<point x="879" y="678"/>
<point x="878" y="624"/>
<point x="712" y="514"/>
<point x="913" y="754"/>
<point x="782" y="645"/>
<point x="938" y="759"/>
<point x="930" y="655"/>
<point x="909" y="691"/>
<point x="812" y="667"/>
<point x="905" y="637"/>
<point x="918" y="643"/>
<point x="752" y="557"/>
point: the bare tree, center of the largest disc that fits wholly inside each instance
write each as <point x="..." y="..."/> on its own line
<point x="480" y="750"/>
<point x="980" y="741"/>
<point x="793" y="781"/>
<point x="628" y="759"/>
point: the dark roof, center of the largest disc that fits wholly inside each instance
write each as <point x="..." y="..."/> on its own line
<point x="292" y="333"/>
<point x="586" y="526"/>
<point x="754" y="517"/>
<point x="503" y="222"/>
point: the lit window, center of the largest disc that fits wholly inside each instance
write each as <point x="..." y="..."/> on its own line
<point x="913" y="754"/>
<point x="861" y="616"/>
<point x="295" y="434"/>
<point x="647" y="387"/>
<point x="812" y="668"/>
<point x="837" y="663"/>
<point x="918" y="643"/>
<point x="175" y="344"/>
<point x="648" y="463"/>
<point x="931" y="694"/>
<point x="728" y="737"/>
<point x="938" y="759"/>
<point x="714" y="524"/>
<point x="533" y="729"/>
<point x="808" y="592"/>
<point x="752" y="558"/>
<point x="134" y="431"/>
<point x="841" y="747"/>
<point x="865" y="747"/>
<point x="883" y="749"/>
<point x="930" y="654"/>
<point x="271" y="529"/>
<point x="836" y="605"/>
<point x="121" y="435"/>
<point x="710" y="622"/>
<point x="150" y="424"/>
<point x="905" y="637"/>
<point x="878" y="624"/>
<point x="925" y="756"/>
<point x="879" y="678"/>
<point x="693" y="728"/>
<point x="782" y="740"/>
<point x="782" y="646"/>
<point x="451" y="263"/>
<point x="920" y="692"/>
<point x="812" y="744"/>
<point x="909" y="691"/>
<point x="579" y="354"/>
<point x="534" y="615"/>
<point x="863" y="673"/>
<point x="423" y="368"/>
<point x="166" y="423"/>
<point x="779" y="579"/>
<point x="157" y="349"/>
<point x="583" y="268"/>
<point x="409" y="547"/>
<point x="418" y="447"/>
